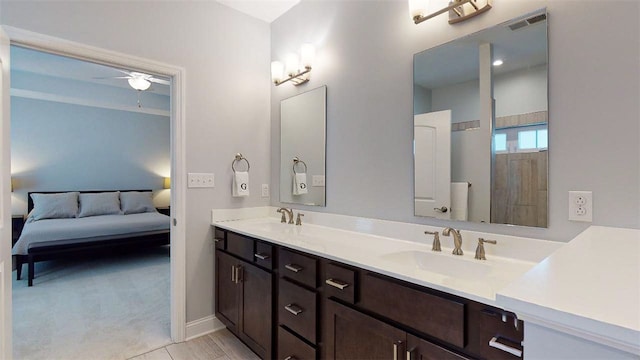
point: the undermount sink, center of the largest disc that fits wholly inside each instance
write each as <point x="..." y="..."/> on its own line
<point x="440" y="263"/>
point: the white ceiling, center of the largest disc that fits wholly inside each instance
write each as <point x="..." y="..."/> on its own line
<point x="266" y="10"/>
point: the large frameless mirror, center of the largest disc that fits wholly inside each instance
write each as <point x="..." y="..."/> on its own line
<point x="481" y="125"/>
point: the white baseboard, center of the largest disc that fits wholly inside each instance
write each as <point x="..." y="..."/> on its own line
<point x="203" y="326"/>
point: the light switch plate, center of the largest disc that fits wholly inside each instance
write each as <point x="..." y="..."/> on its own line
<point x="200" y="180"/>
<point x="581" y="206"/>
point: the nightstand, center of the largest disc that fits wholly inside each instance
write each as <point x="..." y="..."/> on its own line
<point x="17" y="223"/>
<point x="165" y="210"/>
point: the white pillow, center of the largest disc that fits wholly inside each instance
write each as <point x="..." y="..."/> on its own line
<point x="54" y="206"/>
<point x="93" y="204"/>
<point x="135" y="202"/>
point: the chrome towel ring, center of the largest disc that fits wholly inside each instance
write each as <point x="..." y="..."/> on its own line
<point x="238" y="158"/>
<point x="297" y="161"/>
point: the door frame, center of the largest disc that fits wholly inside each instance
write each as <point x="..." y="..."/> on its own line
<point x="94" y="54"/>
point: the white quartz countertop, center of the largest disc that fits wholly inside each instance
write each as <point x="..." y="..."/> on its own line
<point x="589" y="288"/>
<point x="406" y="260"/>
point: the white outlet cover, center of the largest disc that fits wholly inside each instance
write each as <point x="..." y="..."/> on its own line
<point x="265" y="190"/>
<point x="581" y="206"/>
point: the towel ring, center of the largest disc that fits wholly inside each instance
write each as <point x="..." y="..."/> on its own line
<point x="239" y="157"/>
<point x="296" y="161"/>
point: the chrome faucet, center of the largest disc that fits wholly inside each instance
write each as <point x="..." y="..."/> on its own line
<point x="457" y="239"/>
<point x="436" y="240"/>
<point x="480" y="248"/>
<point x="284" y="212"/>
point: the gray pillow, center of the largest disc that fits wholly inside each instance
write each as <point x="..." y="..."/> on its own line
<point x="54" y="206"/>
<point x="135" y="202"/>
<point x="93" y="204"/>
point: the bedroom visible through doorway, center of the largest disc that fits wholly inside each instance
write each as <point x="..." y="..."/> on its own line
<point x="98" y="137"/>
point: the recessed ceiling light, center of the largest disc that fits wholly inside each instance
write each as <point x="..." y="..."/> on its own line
<point x="498" y="62"/>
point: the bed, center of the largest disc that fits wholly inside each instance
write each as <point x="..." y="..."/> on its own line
<point x="98" y="221"/>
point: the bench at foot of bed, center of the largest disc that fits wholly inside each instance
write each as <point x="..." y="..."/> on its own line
<point x="50" y="250"/>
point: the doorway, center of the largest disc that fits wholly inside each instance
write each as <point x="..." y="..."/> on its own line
<point x="176" y="74"/>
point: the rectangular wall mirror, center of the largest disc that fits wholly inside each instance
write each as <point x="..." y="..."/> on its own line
<point x="302" y="148"/>
<point x="481" y="125"/>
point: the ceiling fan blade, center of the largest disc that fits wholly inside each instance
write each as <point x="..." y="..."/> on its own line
<point x="159" y="81"/>
<point x="113" y="77"/>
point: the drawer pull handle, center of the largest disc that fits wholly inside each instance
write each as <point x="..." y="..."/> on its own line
<point x="395" y="350"/>
<point x="293" y="267"/>
<point x="336" y="283"/>
<point x="217" y="240"/>
<point x="294" y="309"/>
<point x="511" y="350"/>
<point x="409" y="353"/>
<point x="233" y="274"/>
<point x="290" y="358"/>
<point x="261" y="256"/>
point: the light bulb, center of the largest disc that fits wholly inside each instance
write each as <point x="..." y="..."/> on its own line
<point x="139" y="83"/>
<point x="418" y="8"/>
<point x="307" y="55"/>
<point x="498" y="62"/>
<point x="292" y="64"/>
<point x="277" y="71"/>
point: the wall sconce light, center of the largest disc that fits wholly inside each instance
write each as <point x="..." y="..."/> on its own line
<point x="459" y="10"/>
<point x="13" y="184"/>
<point x="296" y="69"/>
<point x="167" y="183"/>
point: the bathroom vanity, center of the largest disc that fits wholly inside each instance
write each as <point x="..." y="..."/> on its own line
<point x="346" y="287"/>
<point x="307" y="292"/>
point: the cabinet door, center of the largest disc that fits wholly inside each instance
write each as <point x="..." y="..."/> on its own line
<point x="354" y="335"/>
<point x="257" y="309"/>
<point x="227" y="291"/>
<point x="419" y="349"/>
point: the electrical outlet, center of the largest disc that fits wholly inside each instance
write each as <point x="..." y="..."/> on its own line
<point x="265" y="190"/>
<point x="581" y="206"/>
<point x="200" y="180"/>
<point x="317" y="180"/>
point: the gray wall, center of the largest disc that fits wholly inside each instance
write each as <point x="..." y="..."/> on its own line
<point x="226" y="57"/>
<point x="57" y="146"/>
<point x="365" y="57"/>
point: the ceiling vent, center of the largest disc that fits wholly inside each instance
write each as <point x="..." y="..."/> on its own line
<point x="530" y="21"/>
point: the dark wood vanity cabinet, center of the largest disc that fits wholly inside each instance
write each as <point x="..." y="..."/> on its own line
<point x="322" y="309"/>
<point x="244" y="301"/>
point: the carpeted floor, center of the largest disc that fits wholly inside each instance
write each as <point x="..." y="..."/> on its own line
<point x="111" y="307"/>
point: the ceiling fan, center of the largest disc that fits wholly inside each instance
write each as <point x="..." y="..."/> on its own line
<point x="137" y="80"/>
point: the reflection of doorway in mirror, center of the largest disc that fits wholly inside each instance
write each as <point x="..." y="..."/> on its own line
<point x="432" y="156"/>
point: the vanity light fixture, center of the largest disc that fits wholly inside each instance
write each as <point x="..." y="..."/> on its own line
<point x="166" y="184"/>
<point x="459" y="10"/>
<point x="297" y="69"/>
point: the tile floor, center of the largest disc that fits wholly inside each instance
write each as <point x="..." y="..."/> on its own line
<point x="220" y="345"/>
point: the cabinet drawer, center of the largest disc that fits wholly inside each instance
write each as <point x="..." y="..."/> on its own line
<point x="433" y="315"/>
<point x="498" y="327"/>
<point x="220" y="238"/>
<point x="340" y="283"/>
<point x="292" y="348"/>
<point x="241" y="246"/>
<point x="424" y="350"/>
<point x="298" y="267"/>
<point x="297" y="309"/>
<point x="264" y="255"/>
